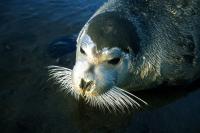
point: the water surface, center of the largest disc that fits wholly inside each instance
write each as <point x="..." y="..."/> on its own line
<point x="29" y="103"/>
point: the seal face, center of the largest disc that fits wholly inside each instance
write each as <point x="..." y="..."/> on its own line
<point x="121" y="51"/>
<point x="105" y="50"/>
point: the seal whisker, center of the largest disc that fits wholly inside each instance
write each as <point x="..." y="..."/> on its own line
<point x="63" y="77"/>
<point x="128" y="99"/>
<point x="104" y="103"/>
<point x="100" y="103"/>
<point x="108" y="103"/>
<point x="53" y="67"/>
<point x="118" y="101"/>
<point x="122" y="100"/>
<point x="96" y="101"/>
<point x="134" y="96"/>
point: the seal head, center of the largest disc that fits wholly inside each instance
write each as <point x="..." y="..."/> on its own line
<point x="106" y="47"/>
<point x="105" y="50"/>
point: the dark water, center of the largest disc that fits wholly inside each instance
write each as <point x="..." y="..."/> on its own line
<point x="30" y="104"/>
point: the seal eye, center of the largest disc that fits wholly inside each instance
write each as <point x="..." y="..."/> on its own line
<point x="82" y="51"/>
<point x="114" y="61"/>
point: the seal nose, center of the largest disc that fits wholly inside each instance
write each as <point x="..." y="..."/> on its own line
<point x="85" y="85"/>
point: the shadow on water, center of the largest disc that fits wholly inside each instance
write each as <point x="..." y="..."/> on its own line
<point x="29" y="103"/>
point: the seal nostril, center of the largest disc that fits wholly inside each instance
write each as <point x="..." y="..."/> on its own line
<point x="85" y="85"/>
<point x="82" y="84"/>
<point x="88" y="84"/>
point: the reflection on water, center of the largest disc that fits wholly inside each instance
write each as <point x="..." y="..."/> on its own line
<point x="28" y="103"/>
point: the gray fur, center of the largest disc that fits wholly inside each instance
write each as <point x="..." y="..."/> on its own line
<point x="168" y="35"/>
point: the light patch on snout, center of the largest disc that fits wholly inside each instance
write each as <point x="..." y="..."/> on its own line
<point x="81" y="71"/>
<point x="90" y="48"/>
<point x="95" y="56"/>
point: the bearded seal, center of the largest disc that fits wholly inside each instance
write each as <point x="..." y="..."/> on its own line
<point x="133" y="45"/>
